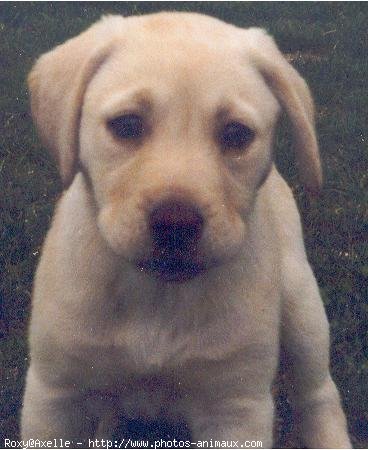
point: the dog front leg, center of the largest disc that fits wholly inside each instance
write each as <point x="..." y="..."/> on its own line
<point x="54" y="413"/>
<point x="235" y="424"/>
<point x="305" y="338"/>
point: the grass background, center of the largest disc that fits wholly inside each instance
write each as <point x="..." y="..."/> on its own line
<point x="327" y="43"/>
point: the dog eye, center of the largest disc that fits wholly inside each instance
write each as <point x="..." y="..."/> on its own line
<point x="235" y="135"/>
<point x="129" y="126"/>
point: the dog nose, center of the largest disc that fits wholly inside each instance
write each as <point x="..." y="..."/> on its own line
<point x="175" y="225"/>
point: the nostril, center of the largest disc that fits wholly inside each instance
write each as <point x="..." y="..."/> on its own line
<point x="175" y="225"/>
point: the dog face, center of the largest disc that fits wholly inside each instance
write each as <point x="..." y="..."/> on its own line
<point x="171" y="118"/>
<point x="176" y="147"/>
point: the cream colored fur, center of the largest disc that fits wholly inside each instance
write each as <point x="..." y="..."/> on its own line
<point x="108" y="338"/>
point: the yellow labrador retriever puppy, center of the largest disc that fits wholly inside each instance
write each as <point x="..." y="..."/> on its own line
<point x="174" y="267"/>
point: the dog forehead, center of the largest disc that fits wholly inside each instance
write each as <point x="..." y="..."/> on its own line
<point x="175" y="41"/>
<point x="157" y="54"/>
<point x="180" y="57"/>
<point x="181" y="24"/>
<point x="174" y="62"/>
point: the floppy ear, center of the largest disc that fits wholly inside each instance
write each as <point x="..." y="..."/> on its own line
<point x="294" y="96"/>
<point x="57" y="84"/>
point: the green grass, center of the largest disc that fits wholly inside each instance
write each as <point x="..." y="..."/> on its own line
<point x="328" y="45"/>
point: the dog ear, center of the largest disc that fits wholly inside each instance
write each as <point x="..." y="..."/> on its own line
<point x="293" y="94"/>
<point x="57" y="84"/>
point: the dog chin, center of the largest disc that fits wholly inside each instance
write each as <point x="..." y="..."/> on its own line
<point x="172" y="270"/>
<point x="177" y="266"/>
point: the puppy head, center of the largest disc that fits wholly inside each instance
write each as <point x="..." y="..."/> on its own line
<point x="171" y="118"/>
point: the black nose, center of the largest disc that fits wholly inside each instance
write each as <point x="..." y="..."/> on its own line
<point x="175" y="225"/>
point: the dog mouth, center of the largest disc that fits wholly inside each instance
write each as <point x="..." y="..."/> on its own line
<point x="172" y="269"/>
